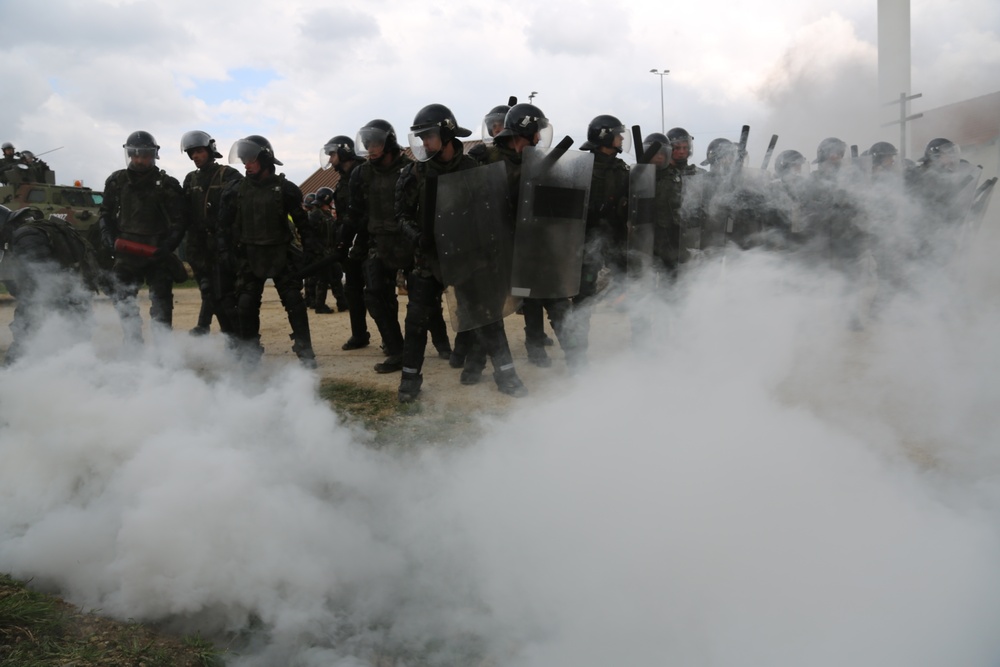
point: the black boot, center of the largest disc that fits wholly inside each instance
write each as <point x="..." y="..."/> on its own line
<point x="298" y="318"/>
<point x="509" y="383"/>
<point x="409" y="386"/>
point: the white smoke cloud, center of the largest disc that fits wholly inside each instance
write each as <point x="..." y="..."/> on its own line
<point x="762" y="485"/>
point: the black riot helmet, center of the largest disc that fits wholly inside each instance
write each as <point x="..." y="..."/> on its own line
<point x="493" y="120"/>
<point x="718" y="150"/>
<point x="657" y="138"/>
<point x="309" y="201"/>
<point x="199" y="139"/>
<point x="324" y="197"/>
<point x="789" y="160"/>
<point x="376" y="132"/>
<point x="141" y="144"/>
<point x="829" y="148"/>
<point x="342" y="146"/>
<point x="882" y="154"/>
<point x="939" y="148"/>
<point x="527" y="120"/>
<point x="434" y="121"/>
<point x="253" y="147"/>
<point x="602" y="132"/>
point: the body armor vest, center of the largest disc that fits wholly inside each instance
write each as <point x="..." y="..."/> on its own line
<point x="261" y="217"/>
<point x="143" y="206"/>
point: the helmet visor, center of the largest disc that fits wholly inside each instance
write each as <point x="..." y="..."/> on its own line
<point x="426" y="143"/>
<point x="140" y="158"/>
<point x="244" y="151"/>
<point x="622" y="139"/>
<point x="492" y="124"/>
<point x="370" y="139"/>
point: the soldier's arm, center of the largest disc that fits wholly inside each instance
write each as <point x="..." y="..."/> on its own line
<point x="407" y="206"/>
<point x="178" y="215"/>
<point x="108" y="220"/>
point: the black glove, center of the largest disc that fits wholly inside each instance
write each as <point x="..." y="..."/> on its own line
<point x="411" y="233"/>
<point x="340" y="252"/>
<point x="161" y="254"/>
<point x="108" y="234"/>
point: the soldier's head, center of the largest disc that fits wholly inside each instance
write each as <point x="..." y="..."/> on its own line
<point x="790" y="163"/>
<point x="660" y="158"/>
<point x="141" y="151"/>
<point x="8" y="149"/>
<point x="526" y="125"/>
<point x="883" y="155"/>
<point x="681" y="146"/>
<point x="200" y="147"/>
<point x="324" y="198"/>
<point x="27" y="157"/>
<point x="830" y="153"/>
<point x="608" y="135"/>
<point x="309" y="201"/>
<point x="433" y="131"/>
<point x="337" y="153"/>
<point x="254" y="152"/>
<point x="721" y="155"/>
<point x="942" y="155"/>
<point x="493" y="121"/>
<point x="376" y="140"/>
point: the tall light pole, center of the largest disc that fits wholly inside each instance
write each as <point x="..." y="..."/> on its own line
<point x="663" y="117"/>
<point x="531" y="96"/>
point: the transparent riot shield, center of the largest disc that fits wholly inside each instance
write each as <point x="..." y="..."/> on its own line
<point x="641" y="213"/>
<point x="551" y="223"/>
<point x="472" y="229"/>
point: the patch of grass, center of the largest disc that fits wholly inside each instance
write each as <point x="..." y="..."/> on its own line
<point x="38" y="630"/>
<point x="371" y="405"/>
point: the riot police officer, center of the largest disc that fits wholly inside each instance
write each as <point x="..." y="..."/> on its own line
<point x="526" y="125"/>
<point x="331" y="275"/>
<point x="203" y="190"/>
<point x="373" y="196"/>
<point x="434" y="138"/>
<point x="338" y="154"/>
<point x="607" y="221"/>
<point x="143" y="204"/>
<point x="255" y="214"/>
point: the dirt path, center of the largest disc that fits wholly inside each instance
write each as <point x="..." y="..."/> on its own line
<point x="441" y="388"/>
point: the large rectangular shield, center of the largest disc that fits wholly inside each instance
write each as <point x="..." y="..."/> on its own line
<point x="472" y="229"/>
<point x="641" y="215"/>
<point x="551" y="223"/>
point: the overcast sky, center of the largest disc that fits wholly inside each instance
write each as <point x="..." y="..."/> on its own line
<point x="82" y="76"/>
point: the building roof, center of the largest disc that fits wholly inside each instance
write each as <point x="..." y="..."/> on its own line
<point x="967" y="123"/>
<point x="329" y="177"/>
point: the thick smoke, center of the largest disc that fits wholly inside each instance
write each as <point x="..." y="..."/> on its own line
<point x="761" y="484"/>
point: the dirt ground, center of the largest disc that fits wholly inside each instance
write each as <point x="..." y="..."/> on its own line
<point x="441" y="388"/>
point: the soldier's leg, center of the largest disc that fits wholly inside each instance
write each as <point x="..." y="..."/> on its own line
<point x="439" y="332"/>
<point x="249" y="290"/>
<point x="290" y="292"/>
<point x="225" y="304"/>
<point x="424" y="297"/>
<point x="161" y="296"/>
<point x="383" y="306"/>
<point x="493" y="338"/>
<point x="354" y="293"/>
<point x="207" y="310"/>
<point x="320" y="288"/>
<point x="475" y="355"/>
<point x="534" y="332"/>
<point x="578" y="320"/>
<point x="124" y="295"/>
<point x="310" y="291"/>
